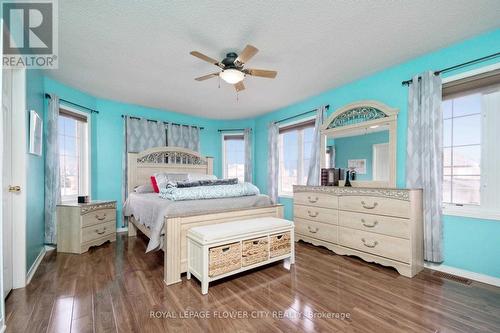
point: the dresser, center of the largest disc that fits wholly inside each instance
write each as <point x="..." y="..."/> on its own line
<point x="378" y="225"/>
<point x="80" y="226"/>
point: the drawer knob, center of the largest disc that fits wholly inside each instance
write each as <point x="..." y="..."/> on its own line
<point x="363" y="222"/>
<point x="311" y="200"/>
<point x="100" y="218"/>
<point x="100" y="232"/>
<point x="311" y="214"/>
<point x="375" y="204"/>
<point x="375" y="243"/>
<point x="311" y="230"/>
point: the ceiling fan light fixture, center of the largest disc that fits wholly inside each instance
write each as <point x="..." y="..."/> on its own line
<point x="232" y="76"/>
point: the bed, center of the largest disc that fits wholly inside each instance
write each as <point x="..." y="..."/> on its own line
<point x="140" y="167"/>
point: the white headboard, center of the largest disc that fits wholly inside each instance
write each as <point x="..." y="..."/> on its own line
<point x="141" y="166"/>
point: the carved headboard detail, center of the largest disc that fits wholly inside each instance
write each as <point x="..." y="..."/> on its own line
<point x="141" y="166"/>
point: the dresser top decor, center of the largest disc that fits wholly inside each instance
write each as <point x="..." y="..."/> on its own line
<point x="394" y="193"/>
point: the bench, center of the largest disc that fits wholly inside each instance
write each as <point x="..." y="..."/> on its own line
<point x="220" y="250"/>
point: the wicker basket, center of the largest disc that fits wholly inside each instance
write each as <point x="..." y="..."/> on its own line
<point x="254" y="251"/>
<point x="280" y="244"/>
<point x="224" y="258"/>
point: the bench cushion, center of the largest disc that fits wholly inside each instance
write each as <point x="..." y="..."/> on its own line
<point x="214" y="232"/>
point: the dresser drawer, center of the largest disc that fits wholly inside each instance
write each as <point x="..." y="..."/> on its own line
<point x="319" y="214"/>
<point x="98" y="217"/>
<point x="381" y="245"/>
<point x="316" y="199"/>
<point x="318" y="230"/>
<point x="97" y="231"/>
<point x="375" y="205"/>
<point x="390" y="226"/>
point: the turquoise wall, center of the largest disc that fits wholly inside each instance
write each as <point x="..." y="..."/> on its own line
<point x="107" y="137"/>
<point x="34" y="174"/>
<point x="385" y="86"/>
<point x="358" y="147"/>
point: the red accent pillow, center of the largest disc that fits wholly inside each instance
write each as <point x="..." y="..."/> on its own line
<point x="154" y="184"/>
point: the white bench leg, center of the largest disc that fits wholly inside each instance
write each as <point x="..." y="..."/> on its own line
<point x="188" y="275"/>
<point x="204" y="287"/>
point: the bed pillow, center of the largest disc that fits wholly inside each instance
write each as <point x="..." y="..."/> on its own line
<point x="200" y="176"/>
<point x="194" y="183"/>
<point x="146" y="188"/>
<point x="163" y="178"/>
<point x="154" y="184"/>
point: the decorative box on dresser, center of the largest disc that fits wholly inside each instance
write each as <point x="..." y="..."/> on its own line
<point x="80" y="226"/>
<point x="380" y="225"/>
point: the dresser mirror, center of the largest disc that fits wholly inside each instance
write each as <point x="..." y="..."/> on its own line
<point x="361" y="138"/>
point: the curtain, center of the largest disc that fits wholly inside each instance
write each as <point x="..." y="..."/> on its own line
<point x="424" y="159"/>
<point x="247" y="136"/>
<point x="139" y="135"/>
<point x="52" y="176"/>
<point x="315" y="161"/>
<point x="331" y="154"/>
<point x="273" y="162"/>
<point x="183" y="136"/>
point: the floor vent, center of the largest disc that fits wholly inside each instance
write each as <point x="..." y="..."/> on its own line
<point x="452" y="277"/>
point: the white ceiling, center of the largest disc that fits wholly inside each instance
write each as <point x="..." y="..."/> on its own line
<point x="138" y="51"/>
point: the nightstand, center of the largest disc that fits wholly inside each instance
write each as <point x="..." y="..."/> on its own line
<point x="80" y="226"/>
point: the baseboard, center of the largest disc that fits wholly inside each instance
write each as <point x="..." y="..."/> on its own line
<point x="35" y="265"/>
<point x="125" y="229"/>
<point x="3" y="328"/>
<point x="494" y="281"/>
<point x="49" y="248"/>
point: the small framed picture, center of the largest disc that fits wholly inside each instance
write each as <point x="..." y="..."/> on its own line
<point x="357" y="165"/>
<point x="36" y="134"/>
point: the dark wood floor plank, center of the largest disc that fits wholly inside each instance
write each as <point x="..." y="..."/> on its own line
<point x="117" y="287"/>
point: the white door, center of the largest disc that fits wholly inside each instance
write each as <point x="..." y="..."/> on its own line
<point x="7" y="180"/>
<point x="381" y="161"/>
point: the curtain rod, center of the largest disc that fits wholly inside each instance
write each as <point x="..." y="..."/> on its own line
<point x="298" y="115"/>
<point x="449" y="69"/>
<point x="232" y="130"/>
<point x="78" y="105"/>
<point x="165" y="122"/>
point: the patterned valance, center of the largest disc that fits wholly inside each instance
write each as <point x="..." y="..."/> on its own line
<point x="172" y="157"/>
<point x="357" y="115"/>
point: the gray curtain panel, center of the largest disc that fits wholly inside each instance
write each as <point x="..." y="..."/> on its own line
<point x="247" y="135"/>
<point x="314" y="163"/>
<point x="424" y="158"/>
<point x="139" y="135"/>
<point x="52" y="176"/>
<point x="332" y="156"/>
<point x="273" y="162"/>
<point x="183" y="136"/>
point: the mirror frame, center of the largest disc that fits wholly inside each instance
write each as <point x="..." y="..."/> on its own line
<point x="375" y="113"/>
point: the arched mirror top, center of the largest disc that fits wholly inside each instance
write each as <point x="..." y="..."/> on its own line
<point x="359" y="113"/>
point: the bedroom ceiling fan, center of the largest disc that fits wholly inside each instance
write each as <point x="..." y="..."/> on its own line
<point x="233" y="71"/>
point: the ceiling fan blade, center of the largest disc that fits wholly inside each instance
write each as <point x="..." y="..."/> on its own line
<point x="206" y="58"/>
<point x="262" y="73"/>
<point x="239" y="86"/>
<point x="248" y="52"/>
<point x="206" y="77"/>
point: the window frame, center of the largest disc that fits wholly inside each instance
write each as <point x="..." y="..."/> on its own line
<point x="82" y="148"/>
<point x="281" y="193"/>
<point x="223" y="144"/>
<point x="481" y="211"/>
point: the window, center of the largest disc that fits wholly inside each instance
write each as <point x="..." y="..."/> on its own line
<point x="73" y="154"/>
<point x="233" y="146"/>
<point x="471" y="158"/>
<point x="295" y="144"/>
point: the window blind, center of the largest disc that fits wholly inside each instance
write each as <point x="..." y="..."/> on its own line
<point x="471" y="84"/>
<point x="298" y="126"/>
<point x="72" y="115"/>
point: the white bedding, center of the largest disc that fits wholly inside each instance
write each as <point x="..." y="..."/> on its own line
<point x="149" y="210"/>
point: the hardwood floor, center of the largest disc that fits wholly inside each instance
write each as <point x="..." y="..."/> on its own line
<point x="115" y="287"/>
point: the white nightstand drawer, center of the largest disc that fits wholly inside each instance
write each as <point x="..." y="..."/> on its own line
<point x="98" y="231"/>
<point x="98" y="217"/>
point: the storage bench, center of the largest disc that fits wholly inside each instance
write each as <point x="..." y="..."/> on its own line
<point x="220" y="250"/>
